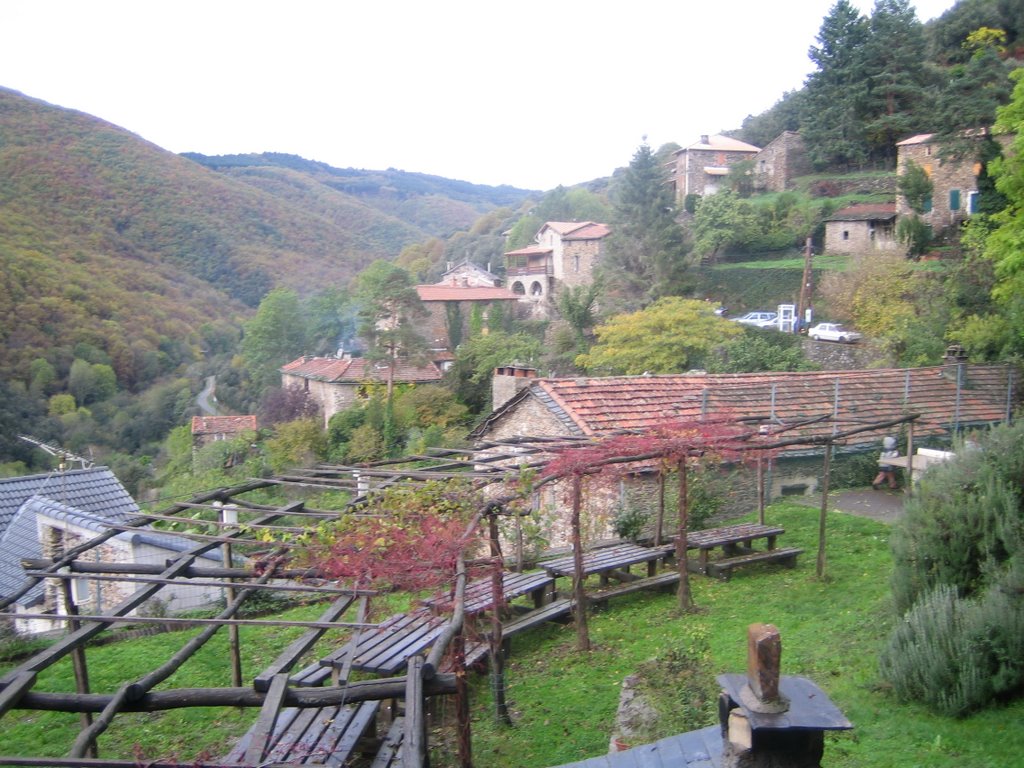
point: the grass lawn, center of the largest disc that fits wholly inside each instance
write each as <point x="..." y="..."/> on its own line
<point x="564" y="702"/>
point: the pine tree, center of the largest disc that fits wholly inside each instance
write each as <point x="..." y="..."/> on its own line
<point x="647" y="248"/>
<point x="832" y="126"/>
<point x="894" y="63"/>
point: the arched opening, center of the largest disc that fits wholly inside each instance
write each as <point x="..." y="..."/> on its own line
<point x="518" y="289"/>
<point x="536" y="289"/>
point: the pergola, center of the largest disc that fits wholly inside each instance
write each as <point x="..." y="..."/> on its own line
<point x="233" y="522"/>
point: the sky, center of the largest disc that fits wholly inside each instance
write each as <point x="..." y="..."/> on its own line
<point x="534" y="94"/>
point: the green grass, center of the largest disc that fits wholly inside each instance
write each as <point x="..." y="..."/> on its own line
<point x="564" y="702"/>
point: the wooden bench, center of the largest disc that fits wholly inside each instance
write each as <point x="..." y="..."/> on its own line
<point x="662" y="580"/>
<point x="723" y="568"/>
<point x="478" y="597"/>
<point x="553" y="611"/>
<point x="390" y="753"/>
<point x="314" y="736"/>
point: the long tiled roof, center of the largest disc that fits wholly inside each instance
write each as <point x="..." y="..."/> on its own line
<point x="356" y="369"/>
<point x="222" y="425"/>
<point x="464" y="293"/>
<point x="596" y="406"/>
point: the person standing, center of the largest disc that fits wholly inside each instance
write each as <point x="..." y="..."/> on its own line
<point x="886" y="472"/>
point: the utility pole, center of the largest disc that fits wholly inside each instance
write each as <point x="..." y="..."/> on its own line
<point x="805" y="285"/>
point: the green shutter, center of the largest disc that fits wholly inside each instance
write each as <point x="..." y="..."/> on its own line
<point x="954" y="199"/>
<point x="926" y="205"/>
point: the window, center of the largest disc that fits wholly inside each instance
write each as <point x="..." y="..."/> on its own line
<point x="926" y="205"/>
<point x="536" y="289"/>
<point x="576" y="262"/>
<point x="518" y="289"/>
<point x="80" y="591"/>
<point x="954" y="199"/>
<point x="973" y="200"/>
<point x="846" y="234"/>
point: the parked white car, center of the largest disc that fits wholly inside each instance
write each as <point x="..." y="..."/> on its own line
<point x="759" y="319"/>
<point x="833" y="332"/>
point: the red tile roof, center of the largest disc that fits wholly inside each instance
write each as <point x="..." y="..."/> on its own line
<point x="578" y="230"/>
<point x="356" y="369"/>
<point x="596" y="406"/>
<point x="222" y="425"/>
<point x="530" y="250"/>
<point x="865" y="212"/>
<point x="464" y="293"/>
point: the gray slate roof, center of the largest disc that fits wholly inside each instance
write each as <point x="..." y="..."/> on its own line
<point x="696" y="749"/>
<point x="87" y="497"/>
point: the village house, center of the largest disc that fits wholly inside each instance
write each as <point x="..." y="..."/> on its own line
<point x="701" y="168"/>
<point x="212" y="429"/>
<point x="564" y="254"/>
<point x="451" y="307"/>
<point x="44" y="515"/>
<point x="335" y="383"/>
<point x="950" y="398"/>
<point x="955" y="193"/>
<point x="781" y="161"/>
<point x="863" y="228"/>
<point x="467" y="273"/>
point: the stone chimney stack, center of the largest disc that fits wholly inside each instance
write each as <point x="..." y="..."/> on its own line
<point x="508" y="381"/>
<point x="704" y="139"/>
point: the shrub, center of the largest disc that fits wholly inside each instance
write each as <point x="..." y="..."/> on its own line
<point x="959" y="576"/>
<point x="956" y="654"/>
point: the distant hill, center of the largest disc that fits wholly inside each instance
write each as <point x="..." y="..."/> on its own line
<point x="110" y="242"/>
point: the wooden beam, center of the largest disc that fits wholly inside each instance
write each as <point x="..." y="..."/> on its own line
<point x="264" y="727"/>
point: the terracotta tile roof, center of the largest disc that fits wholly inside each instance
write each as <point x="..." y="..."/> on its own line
<point x="596" y="406"/>
<point x="865" y="212"/>
<point x="921" y="138"/>
<point x="222" y="425"/>
<point x="356" y="369"/>
<point x="578" y="230"/>
<point x="530" y="250"/>
<point x="721" y="144"/>
<point x="463" y="293"/>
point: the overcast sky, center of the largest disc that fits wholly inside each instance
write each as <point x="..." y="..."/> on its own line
<point x="534" y="93"/>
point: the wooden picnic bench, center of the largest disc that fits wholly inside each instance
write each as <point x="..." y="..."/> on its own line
<point x="387" y="648"/>
<point x="315" y="736"/>
<point x="608" y="561"/>
<point x="479" y="597"/>
<point x="734" y="540"/>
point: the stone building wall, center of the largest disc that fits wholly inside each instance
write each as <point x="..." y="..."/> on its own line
<point x="860" y="237"/>
<point x="331" y="397"/>
<point x="579" y="258"/>
<point x="784" y="159"/>
<point x="946" y="176"/>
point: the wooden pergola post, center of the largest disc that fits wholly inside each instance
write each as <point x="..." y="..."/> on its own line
<point x="78" y="662"/>
<point x="684" y="595"/>
<point x="579" y="593"/>
<point x="497" y="601"/>
<point x="824" y="509"/>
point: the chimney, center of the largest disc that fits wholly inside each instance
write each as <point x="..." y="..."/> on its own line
<point x="508" y="381"/>
<point x="704" y="139"/>
<point x="953" y="362"/>
<point x="769" y="720"/>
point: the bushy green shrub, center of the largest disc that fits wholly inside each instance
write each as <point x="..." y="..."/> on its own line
<point x="957" y="654"/>
<point x="959" y="579"/>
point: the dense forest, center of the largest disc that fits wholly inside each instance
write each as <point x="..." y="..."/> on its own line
<point x="131" y="274"/>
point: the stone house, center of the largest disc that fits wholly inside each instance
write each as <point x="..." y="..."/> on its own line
<point x="701" y="168"/>
<point x="450" y="307"/>
<point x="467" y="273"/>
<point x="564" y="254"/>
<point x="42" y="516"/>
<point x="863" y="228"/>
<point x="335" y="383"/>
<point x="950" y="398"/>
<point x="211" y="429"/>
<point x="784" y="159"/>
<point x="955" y="180"/>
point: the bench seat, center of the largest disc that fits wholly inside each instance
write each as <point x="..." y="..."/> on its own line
<point x="723" y="568"/>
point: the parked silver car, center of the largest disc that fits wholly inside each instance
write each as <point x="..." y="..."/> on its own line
<point x="759" y="319"/>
